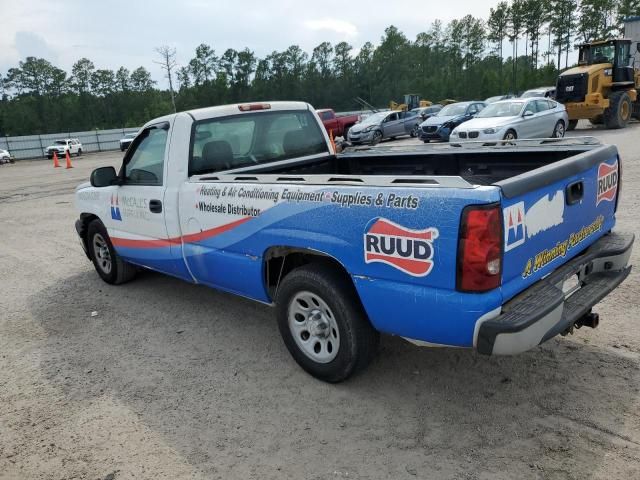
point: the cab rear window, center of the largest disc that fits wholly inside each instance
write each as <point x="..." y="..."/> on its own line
<point x="252" y="139"/>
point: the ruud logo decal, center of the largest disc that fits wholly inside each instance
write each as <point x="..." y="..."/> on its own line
<point x="607" y="182"/>
<point x="410" y="251"/>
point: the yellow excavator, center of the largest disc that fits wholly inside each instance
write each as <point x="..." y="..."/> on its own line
<point x="605" y="86"/>
<point x="411" y="101"/>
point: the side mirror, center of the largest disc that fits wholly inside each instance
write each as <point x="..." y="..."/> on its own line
<point x="103" y="177"/>
<point x="528" y="113"/>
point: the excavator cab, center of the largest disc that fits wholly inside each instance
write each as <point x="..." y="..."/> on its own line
<point x="616" y="52"/>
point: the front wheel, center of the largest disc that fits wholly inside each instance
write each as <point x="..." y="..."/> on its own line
<point x="377" y="137"/>
<point x="111" y="268"/>
<point x="323" y="324"/>
<point x="558" y="130"/>
<point x="510" y="135"/>
<point x="79" y="152"/>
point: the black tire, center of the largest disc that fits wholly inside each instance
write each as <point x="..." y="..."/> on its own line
<point x="558" y="130"/>
<point x="619" y="112"/>
<point x="377" y="137"/>
<point x="572" y="125"/>
<point x="119" y="271"/>
<point x="357" y="339"/>
<point x="510" y="135"/>
<point x="79" y="152"/>
<point x="415" y="131"/>
<point x="426" y="140"/>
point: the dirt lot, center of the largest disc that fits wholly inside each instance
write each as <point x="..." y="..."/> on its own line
<point x="176" y="381"/>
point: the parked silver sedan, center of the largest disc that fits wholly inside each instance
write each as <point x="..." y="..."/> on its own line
<point x="377" y="127"/>
<point x="517" y="118"/>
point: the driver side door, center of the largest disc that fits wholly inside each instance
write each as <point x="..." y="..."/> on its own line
<point x="136" y="223"/>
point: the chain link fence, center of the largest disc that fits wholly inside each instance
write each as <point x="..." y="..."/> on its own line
<point x="35" y="146"/>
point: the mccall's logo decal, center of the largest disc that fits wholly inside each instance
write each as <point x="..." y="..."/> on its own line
<point x="115" y="208"/>
<point x="607" y="182"/>
<point x="410" y="251"/>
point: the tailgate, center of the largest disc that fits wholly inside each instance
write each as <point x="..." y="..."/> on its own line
<point x="553" y="213"/>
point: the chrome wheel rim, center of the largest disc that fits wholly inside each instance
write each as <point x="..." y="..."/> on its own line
<point x="313" y="327"/>
<point x="376" y="137"/>
<point x="559" y="130"/>
<point x="101" y="253"/>
<point x="510" y="136"/>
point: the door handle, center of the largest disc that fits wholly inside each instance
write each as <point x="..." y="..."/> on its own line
<point x="155" y="206"/>
<point x="574" y="192"/>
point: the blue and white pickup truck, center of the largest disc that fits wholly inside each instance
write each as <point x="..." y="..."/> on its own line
<point x="494" y="248"/>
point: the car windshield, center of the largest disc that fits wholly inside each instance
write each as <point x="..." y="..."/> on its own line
<point x="501" y="109"/>
<point x="453" y="109"/>
<point x="60" y="142"/>
<point x="375" y="118"/>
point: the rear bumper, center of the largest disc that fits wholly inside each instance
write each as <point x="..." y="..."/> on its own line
<point x="544" y="310"/>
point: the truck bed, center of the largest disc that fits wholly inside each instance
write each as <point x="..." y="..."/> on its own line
<point x="478" y="166"/>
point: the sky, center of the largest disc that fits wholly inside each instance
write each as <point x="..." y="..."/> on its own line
<point x="112" y="33"/>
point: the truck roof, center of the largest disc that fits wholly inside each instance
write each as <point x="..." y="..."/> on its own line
<point x="224" y="110"/>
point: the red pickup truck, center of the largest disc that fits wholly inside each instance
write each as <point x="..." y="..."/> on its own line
<point x="338" y="125"/>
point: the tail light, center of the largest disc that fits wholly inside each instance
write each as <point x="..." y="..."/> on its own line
<point x="480" y="248"/>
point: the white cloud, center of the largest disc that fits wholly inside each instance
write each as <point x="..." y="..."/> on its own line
<point x="334" y="25"/>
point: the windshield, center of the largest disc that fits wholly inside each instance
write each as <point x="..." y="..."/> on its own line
<point x="254" y="138"/>
<point x="501" y="109"/>
<point x="60" y="142"/>
<point x="453" y="109"/>
<point x="603" y="53"/>
<point x="533" y="93"/>
<point x="375" y="118"/>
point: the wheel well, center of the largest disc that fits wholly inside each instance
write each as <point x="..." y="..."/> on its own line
<point x="85" y="220"/>
<point x="280" y="261"/>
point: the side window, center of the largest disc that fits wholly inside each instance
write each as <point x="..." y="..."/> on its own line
<point x="480" y="106"/>
<point x="531" y="107"/>
<point x="472" y="110"/>
<point x="392" y="118"/>
<point x="552" y="104"/>
<point x="145" y="164"/>
<point x="542" y="105"/>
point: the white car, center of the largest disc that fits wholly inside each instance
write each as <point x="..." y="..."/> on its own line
<point x="71" y="145"/>
<point x="5" y="157"/>
<point x="512" y="119"/>
<point x="126" y="141"/>
<point x="547" y="92"/>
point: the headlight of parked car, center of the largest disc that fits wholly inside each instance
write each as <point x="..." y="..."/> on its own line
<point x="489" y="130"/>
<point x="368" y="129"/>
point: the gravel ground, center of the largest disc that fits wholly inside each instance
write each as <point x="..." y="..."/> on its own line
<point x="171" y="380"/>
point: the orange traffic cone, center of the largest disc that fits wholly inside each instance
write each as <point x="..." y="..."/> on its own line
<point x="56" y="163"/>
<point x="69" y="160"/>
<point x="333" y="142"/>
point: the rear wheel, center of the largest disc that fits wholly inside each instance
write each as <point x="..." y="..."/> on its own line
<point x="598" y="120"/>
<point x="619" y="112"/>
<point x="415" y="130"/>
<point x="79" y="152"/>
<point x="111" y="268"/>
<point x="558" y="130"/>
<point x="323" y="324"/>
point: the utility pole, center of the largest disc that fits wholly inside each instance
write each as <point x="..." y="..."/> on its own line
<point x="168" y="64"/>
